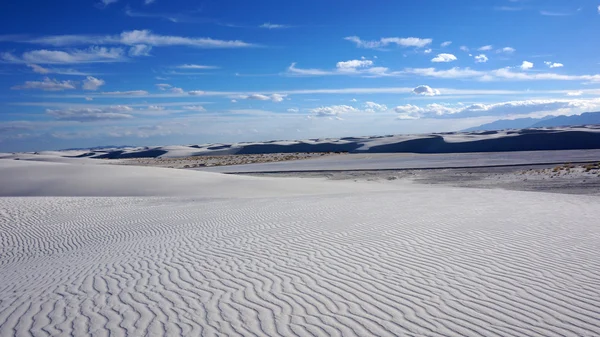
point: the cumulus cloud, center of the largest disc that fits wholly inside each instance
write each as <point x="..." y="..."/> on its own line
<point x="526" y="65"/>
<point x="46" y="84"/>
<point x="372" y="107"/>
<point x="425" y="90"/>
<point x="91" y="114"/>
<point x="444" y="58"/>
<point x="554" y="64"/>
<point x="386" y="41"/>
<point x="333" y="111"/>
<point x="353" y="64"/>
<point x="481" y="58"/>
<point x="92" y="83"/>
<point x="90" y="55"/>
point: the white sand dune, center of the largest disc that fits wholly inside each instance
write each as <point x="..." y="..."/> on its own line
<point x="82" y="178"/>
<point x="540" y="139"/>
<point x="404" y="260"/>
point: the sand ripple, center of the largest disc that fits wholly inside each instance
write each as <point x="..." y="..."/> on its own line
<point x="487" y="263"/>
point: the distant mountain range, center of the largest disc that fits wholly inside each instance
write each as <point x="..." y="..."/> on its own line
<point x="588" y="118"/>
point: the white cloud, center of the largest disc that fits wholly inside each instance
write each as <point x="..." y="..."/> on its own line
<point x="506" y="50"/>
<point x="333" y="111"/>
<point x="41" y="70"/>
<point x="574" y="93"/>
<point x="408" y="111"/>
<point x="353" y="64"/>
<point x="425" y="90"/>
<point x="554" y="64"/>
<point x="126" y="93"/>
<point x="155" y="108"/>
<point x="105" y="3"/>
<point x="427" y="51"/>
<point x="194" y="108"/>
<point x="485" y="48"/>
<point x="89" y="99"/>
<point x="372" y="107"/>
<point x="598" y="9"/>
<point x="46" y="84"/>
<point x="148" y="2"/>
<point x="526" y="65"/>
<point x="498" y="74"/>
<point x="140" y="50"/>
<point x="195" y="66"/>
<point x="446" y="43"/>
<point x="464" y="48"/>
<point x="163" y="86"/>
<point x="481" y="58"/>
<point x="38" y="69"/>
<point x="178" y="91"/>
<point x="92" y="83"/>
<point x="137" y="37"/>
<point x="196" y="92"/>
<point x="268" y="25"/>
<point x="92" y="114"/>
<point x="444" y="58"/>
<point x="502" y="108"/>
<point x="386" y="41"/>
<point x="293" y="110"/>
<point x="260" y="97"/>
<point x="90" y="55"/>
<point x="353" y="67"/>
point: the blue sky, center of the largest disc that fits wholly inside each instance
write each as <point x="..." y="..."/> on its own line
<point x="141" y="72"/>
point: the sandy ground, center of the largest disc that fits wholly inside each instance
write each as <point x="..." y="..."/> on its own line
<point x="564" y="178"/>
<point x="223" y="160"/>
<point x="106" y="250"/>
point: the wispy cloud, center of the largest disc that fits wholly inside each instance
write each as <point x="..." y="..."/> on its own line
<point x="126" y="93"/>
<point x="92" y="114"/>
<point x="46" y="84"/>
<point x="195" y="66"/>
<point x="44" y="56"/>
<point x="386" y="41"/>
<point x="508" y="8"/>
<point x="134" y="38"/>
<point x="59" y="71"/>
<point x="268" y="25"/>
